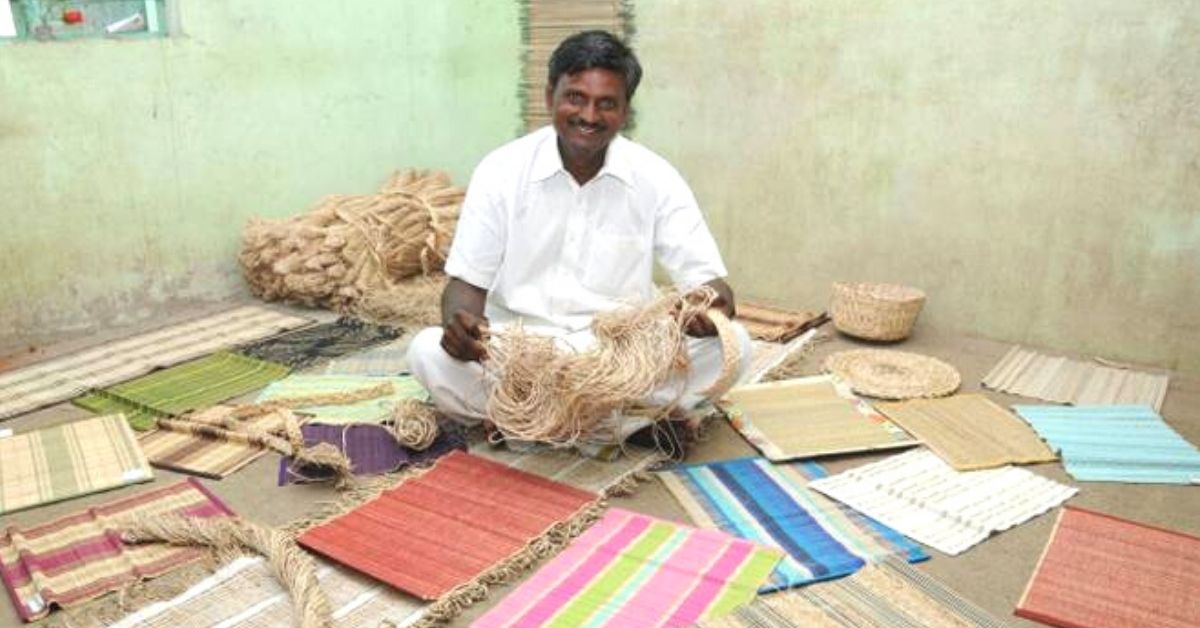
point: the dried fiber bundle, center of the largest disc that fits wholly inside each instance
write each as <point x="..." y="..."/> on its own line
<point x="544" y="393"/>
<point x="232" y="536"/>
<point x="350" y="247"/>
<point x="414" y="302"/>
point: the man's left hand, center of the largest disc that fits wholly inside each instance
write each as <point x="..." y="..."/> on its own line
<point x="702" y="326"/>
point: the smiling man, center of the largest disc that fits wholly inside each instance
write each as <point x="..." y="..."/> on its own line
<point x="567" y="222"/>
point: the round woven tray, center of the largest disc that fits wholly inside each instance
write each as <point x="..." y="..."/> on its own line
<point x="886" y="374"/>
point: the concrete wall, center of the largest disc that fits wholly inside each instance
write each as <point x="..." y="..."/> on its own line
<point x="128" y="167"/>
<point x="1035" y="167"/>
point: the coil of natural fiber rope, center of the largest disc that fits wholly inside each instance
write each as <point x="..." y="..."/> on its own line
<point x="414" y="424"/>
<point x="231" y="536"/>
<point x="887" y="374"/>
<point x="546" y="394"/>
<point x="355" y="248"/>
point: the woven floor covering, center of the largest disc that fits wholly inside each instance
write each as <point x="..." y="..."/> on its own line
<point x="447" y="526"/>
<point x="886" y="595"/>
<point x="768" y="355"/>
<point x="366" y="411"/>
<point x="1116" y="444"/>
<point x="928" y="501"/>
<point x="1101" y="571"/>
<point x="306" y="347"/>
<point x="633" y="570"/>
<point x="773" y="324"/>
<point x="810" y="416"/>
<point x="597" y="475"/>
<point x="175" y="448"/>
<point x="772" y="505"/>
<point x="69" y="460"/>
<point x="969" y="431"/>
<point x="371" y="449"/>
<point x="1031" y="374"/>
<point x="56" y="380"/>
<point x="79" y="557"/>
<point x="179" y="389"/>
<point x="246" y="593"/>
<point x="386" y="360"/>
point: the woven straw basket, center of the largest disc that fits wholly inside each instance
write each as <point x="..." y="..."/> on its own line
<point x="875" y="311"/>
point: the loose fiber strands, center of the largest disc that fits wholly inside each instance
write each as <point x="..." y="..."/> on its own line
<point x="294" y="568"/>
<point x="543" y="393"/>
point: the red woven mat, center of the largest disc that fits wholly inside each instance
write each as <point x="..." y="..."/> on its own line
<point x="448" y="526"/>
<point x="1100" y="571"/>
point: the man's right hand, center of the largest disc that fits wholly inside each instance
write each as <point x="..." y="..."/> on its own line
<point x="463" y="336"/>
<point x="463" y="324"/>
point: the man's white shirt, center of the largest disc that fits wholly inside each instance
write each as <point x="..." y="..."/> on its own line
<point x="554" y="253"/>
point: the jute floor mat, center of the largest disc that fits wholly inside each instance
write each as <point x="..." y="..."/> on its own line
<point x="969" y="431"/>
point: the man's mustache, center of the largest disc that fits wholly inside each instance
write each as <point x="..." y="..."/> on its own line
<point x="587" y="125"/>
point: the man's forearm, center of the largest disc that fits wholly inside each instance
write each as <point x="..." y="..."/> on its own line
<point x="460" y="296"/>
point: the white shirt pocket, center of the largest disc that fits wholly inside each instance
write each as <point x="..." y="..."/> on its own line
<point x="618" y="266"/>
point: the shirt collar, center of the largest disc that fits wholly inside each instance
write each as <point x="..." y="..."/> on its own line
<point x="547" y="162"/>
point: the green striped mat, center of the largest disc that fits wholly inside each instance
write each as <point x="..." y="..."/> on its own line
<point x="179" y="389"/>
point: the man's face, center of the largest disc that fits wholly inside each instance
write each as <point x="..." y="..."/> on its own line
<point x="589" y="109"/>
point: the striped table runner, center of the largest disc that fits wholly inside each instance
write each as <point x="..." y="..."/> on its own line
<point x="306" y="347"/>
<point x="367" y="411"/>
<point x="634" y="570"/>
<point x="810" y="416"/>
<point x="62" y="378"/>
<point x="1116" y="444"/>
<point x="885" y="595"/>
<point x="598" y="475"/>
<point x="246" y="593"/>
<point x="1100" y="571"/>
<point x="386" y="360"/>
<point x="772" y="505"/>
<point x="448" y="526"/>
<point x="969" y="431"/>
<point x="173" y="447"/>
<point x="79" y="557"/>
<point x="179" y="389"/>
<point x="69" y="460"/>
<point x="928" y="501"/>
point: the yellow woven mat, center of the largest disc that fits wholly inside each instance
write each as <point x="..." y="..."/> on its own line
<point x="969" y="431"/>
<point x="810" y="416"/>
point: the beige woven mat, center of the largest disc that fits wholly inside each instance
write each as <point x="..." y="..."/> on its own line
<point x="969" y="431"/>
<point x="1031" y="374"/>
<point x="810" y="416"/>
<point x="611" y="470"/>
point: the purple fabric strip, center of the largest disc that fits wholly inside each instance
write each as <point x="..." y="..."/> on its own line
<point x="370" y="448"/>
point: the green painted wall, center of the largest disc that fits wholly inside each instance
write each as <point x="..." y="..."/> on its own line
<point x="1035" y="167"/>
<point x="127" y="168"/>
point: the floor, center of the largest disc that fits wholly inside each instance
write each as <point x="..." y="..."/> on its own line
<point x="991" y="574"/>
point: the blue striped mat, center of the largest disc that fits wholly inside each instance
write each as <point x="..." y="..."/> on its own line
<point x="772" y="504"/>
<point x="1115" y="444"/>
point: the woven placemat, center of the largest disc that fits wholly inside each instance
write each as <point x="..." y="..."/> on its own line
<point x="886" y="374"/>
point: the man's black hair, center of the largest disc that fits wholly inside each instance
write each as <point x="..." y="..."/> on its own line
<point x="596" y="49"/>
